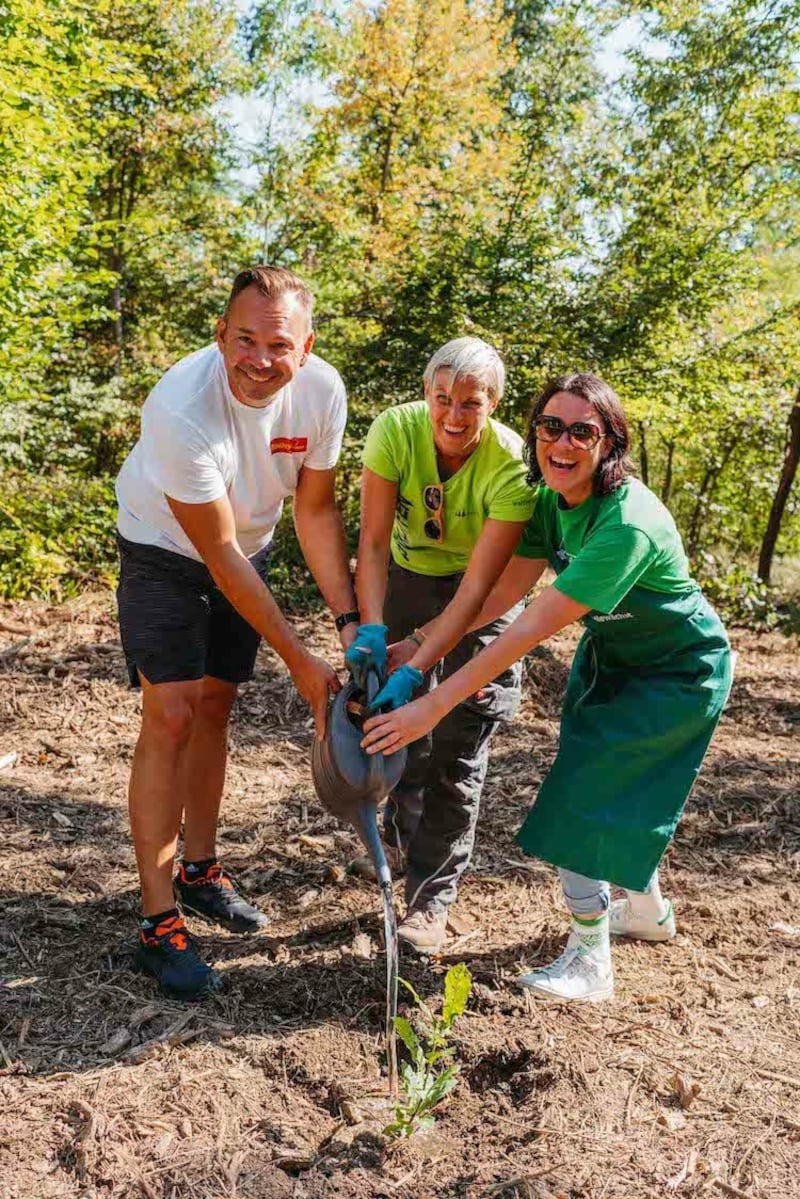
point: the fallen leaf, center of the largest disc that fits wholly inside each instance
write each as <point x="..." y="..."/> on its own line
<point x="686" y="1089"/>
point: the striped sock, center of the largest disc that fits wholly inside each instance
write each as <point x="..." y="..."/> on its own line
<point x="591" y="934"/>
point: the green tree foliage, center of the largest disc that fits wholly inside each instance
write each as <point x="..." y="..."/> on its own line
<point x="52" y="60"/>
<point x="433" y="168"/>
<point x="678" y="309"/>
<point x="162" y="226"/>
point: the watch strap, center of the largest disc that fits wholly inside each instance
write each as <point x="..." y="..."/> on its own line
<point x="345" y="618"/>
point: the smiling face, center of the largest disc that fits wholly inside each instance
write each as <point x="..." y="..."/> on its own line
<point x="263" y="342"/>
<point x="565" y="469"/>
<point x="460" y="410"/>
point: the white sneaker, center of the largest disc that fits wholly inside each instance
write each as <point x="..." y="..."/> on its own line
<point x="573" y="976"/>
<point x="624" y="922"/>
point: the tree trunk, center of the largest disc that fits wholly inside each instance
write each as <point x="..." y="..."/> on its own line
<point x="788" y="472"/>
<point x="644" y="464"/>
<point x="666" y="487"/>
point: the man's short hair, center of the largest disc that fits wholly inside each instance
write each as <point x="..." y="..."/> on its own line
<point x="469" y="357"/>
<point x="273" y="282"/>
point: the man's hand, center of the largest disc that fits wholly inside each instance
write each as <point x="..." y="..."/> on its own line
<point x="347" y="636"/>
<point x="315" y="679"/>
<point x="401" y="652"/>
<point x="386" y="734"/>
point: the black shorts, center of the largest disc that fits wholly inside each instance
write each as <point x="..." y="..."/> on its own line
<point x="175" y="623"/>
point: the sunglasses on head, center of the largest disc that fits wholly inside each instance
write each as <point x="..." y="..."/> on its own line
<point x="582" y="434"/>
<point x="433" y="499"/>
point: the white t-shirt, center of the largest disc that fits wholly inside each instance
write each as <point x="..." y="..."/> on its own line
<point x="198" y="442"/>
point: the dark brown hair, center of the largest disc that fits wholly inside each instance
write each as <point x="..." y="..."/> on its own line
<point x="617" y="466"/>
<point x="272" y="282"/>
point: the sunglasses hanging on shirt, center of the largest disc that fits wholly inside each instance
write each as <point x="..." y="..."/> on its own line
<point x="433" y="499"/>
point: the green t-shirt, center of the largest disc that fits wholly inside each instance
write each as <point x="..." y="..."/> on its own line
<point x="490" y="484"/>
<point x="607" y="545"/>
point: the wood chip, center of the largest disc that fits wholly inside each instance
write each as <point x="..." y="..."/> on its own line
<point x="115" y="1043"/>
<point x="293" y="1159"/>
<point x="686" y="1171"/>
<point x="8" y="760"/>
<point x="672" y="1120"/>
<point x="362" y="947"/>
<point x="723" y="968"/>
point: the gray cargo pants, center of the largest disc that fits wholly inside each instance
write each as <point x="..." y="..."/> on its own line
<point x="433" y="812"/>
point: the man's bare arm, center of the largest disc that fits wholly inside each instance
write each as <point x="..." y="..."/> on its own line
<point x="319" y="528"/>
<point x="212" y="531"/>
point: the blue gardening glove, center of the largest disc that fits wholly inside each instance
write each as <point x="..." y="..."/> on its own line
<point x="398" y="689"/>
<point x="368" y="652"/>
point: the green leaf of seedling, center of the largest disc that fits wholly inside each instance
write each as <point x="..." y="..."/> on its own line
<point x="418" y="1000"/>
<point x="407" y="1035"/>
<point x="457" y="988"/>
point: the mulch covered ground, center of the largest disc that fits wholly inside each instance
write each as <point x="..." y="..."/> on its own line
<point x="688" y="1082"/>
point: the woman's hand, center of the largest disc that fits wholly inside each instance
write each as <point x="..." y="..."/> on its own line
<point x="401" y="652"/>
<point x="386" y="734"/>
<point x="366" y="652"/>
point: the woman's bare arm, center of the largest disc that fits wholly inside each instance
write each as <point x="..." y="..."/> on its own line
<point x="378" y="502"/>
<point x="550" y="611"/>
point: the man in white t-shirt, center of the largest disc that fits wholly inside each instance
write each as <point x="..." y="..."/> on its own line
<point x="227" y="434"/>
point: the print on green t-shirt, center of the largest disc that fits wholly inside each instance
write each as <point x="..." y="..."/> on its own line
<point x="606" y="545"/>
<point x="490" y="485"/>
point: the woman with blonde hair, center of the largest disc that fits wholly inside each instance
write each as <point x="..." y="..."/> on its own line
<point x="443" y="504"/>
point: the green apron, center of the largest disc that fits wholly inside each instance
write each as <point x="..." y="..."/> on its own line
<point x="646" y="689"/>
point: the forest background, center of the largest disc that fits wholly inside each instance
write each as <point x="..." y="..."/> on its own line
<point x="432" y="168"/>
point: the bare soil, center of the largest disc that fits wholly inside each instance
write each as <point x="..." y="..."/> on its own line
<point x="688" y="1082"/>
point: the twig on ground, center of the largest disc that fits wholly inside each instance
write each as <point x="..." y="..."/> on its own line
<point x="24" y="952"/>
<point x="631" y="1093"/>
<point x="18" y="630"/>
<point x="791" y="1082"/>
<point x="730" y="1190"/>
<point x="7" y="654"/>
<point x="86" y="1133"/>
<point x="495" y="1188"/>
<point x="139" y="1052"/>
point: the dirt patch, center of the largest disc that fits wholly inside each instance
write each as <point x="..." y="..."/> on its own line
<point x="107" y="1089"/>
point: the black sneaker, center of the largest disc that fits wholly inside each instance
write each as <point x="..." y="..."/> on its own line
<point x="167" y="952"/>
<point x="213" y="896"/>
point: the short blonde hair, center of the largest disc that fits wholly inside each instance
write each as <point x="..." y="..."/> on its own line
<point x="469" y="357"/>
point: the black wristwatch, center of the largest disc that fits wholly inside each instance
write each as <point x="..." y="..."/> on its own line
<point x="345" y="618"/>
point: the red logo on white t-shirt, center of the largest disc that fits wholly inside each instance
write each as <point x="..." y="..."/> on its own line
<point x="288" y="445"/>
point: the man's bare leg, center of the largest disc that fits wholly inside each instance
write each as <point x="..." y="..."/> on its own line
<point x="202" y="890"/>
<point x="202" y="769"/>
<point x="155" y="799"/>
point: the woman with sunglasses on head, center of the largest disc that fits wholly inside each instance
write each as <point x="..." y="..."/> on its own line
<point x="647" y="686"/>
<point x="444" y="501"/>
